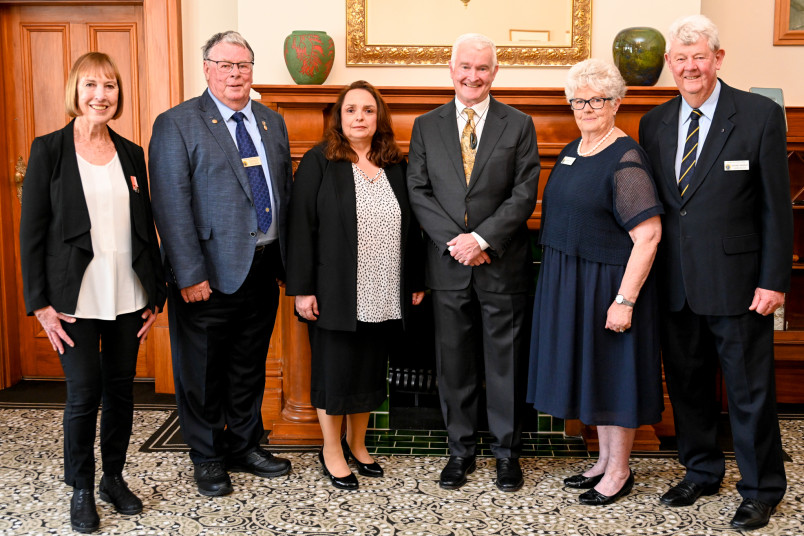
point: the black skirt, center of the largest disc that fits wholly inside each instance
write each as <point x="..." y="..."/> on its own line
<point x="349" y="369"/>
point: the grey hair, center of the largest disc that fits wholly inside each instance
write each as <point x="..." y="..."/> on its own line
<point x="687" y="31"/>
<point x="225" y="37"/>
<point x="478" y="39"/>
<point x="596" y="74"/>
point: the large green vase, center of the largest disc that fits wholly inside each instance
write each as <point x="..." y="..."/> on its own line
<point x="309" y="56"/>
<point x="639" y="55"/>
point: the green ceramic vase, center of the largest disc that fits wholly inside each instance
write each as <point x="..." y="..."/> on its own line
<point x="639" y="55"/>
<point x="309" y="56"/>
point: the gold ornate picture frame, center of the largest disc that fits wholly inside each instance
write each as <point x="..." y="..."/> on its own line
<point x="359" y="52"/>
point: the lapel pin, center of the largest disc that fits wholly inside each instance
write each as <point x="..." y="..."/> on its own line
<point x="264" y="126"/>
<point x="134" y="184"/>
<point x="214" y="121"/>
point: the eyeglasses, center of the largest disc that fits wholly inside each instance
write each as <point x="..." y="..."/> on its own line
<point x="596" y="103"/>
<point x="226" y="67"/>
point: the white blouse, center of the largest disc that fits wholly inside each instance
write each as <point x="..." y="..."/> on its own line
<point x="379" y="248"/>
<point x="110" y="286"/>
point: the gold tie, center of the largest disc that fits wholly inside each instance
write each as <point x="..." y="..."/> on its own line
<point x="467" y="151"/>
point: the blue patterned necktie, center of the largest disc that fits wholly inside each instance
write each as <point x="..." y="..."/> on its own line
<point x="256" y="176"/>
<point x="690" y="151"/>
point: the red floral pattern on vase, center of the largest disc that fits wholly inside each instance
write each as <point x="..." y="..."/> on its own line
<point x="309" y="56"/>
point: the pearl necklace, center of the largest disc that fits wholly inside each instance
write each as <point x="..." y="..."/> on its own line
<point x="587" y="153"/>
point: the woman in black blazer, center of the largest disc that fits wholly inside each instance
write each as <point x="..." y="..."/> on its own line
<point x="92" y="275"/>
<point x="355" y="266"/>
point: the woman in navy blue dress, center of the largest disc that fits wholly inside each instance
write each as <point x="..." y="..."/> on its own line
<point x="594" y="352"/>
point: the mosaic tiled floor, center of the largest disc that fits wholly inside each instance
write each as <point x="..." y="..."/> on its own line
<point x="408" y="501"/>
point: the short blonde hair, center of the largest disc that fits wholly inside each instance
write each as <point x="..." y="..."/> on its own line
<point x="91" y="63"/>
<point x="596" y="74"/>
<point x="687" y="31"/>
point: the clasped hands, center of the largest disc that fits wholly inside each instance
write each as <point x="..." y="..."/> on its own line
<point x="466" y="250"/>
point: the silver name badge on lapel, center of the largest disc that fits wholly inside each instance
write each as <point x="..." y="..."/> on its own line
<point x="735" y="165"/>
<point x="251" y="161"/>
<point x="568" y="160"/>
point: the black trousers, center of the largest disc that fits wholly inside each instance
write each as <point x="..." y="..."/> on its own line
<point x="691" y="347"/>
<point x="100" y="367"/>
<point x="219" y="348"/>
<point x="477" y="330"/>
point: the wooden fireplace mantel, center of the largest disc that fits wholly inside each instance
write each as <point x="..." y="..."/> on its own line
<point x="286" y="407"/>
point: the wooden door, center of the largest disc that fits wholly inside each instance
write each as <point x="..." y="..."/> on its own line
<point x="41" y="42"/>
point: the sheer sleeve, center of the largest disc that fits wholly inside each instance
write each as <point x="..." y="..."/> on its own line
<point x="635" y="197"/>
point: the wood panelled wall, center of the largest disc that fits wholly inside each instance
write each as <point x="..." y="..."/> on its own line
<point x="286" y="409"/>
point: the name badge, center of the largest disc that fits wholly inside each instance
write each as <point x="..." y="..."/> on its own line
<point x="251" y="161"/>
<point x="568" y="160"/>
<point x="735" y="165"/>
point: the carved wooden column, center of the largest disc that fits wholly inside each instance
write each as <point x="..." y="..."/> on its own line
<point x="297" y="423"/>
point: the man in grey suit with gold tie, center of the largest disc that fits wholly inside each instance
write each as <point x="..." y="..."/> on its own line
<point x="220" y="181"/>
<point x="473" y="180"/>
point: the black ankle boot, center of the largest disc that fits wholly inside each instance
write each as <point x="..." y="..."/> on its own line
<point x="83" y="514"/>
<point x="113" y="489"/>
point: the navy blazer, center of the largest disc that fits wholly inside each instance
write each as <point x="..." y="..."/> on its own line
<point x="496" y="203"/>
<point x="733" y="230"/>
<point x="201" y="195"/>
<point x="55" y="241"/>
<point x="322" y="253"/>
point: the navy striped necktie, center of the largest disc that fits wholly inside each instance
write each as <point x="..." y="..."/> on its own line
<point x="256" y="176"/>
<point x="690" y="151"/>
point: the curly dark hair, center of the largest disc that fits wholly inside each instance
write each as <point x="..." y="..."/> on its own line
<point x="384" y="149"/>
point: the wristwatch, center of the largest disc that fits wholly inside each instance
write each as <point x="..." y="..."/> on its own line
<point x="621" y="299"/>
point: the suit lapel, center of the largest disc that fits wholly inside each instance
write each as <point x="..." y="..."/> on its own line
<point x="492" y="130"/>
<point x="397" y="181"/>
<point x="136" y="207"/>
<point x="76" y="223"/>
<point x="267" y="128"/>
<point x="668" y="141"/>
<point x="341" y="173"/>
<point x="448" y="128"/>
<point x="217" y="127"/>
<point x="719" y="132"/>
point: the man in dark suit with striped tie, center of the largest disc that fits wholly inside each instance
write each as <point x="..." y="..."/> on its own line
<point x="719" y="161"/>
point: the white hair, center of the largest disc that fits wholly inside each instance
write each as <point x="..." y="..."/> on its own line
<point x="479" y="40"/>
<point x="595" y="74"/>
<point x="688" y="30"/>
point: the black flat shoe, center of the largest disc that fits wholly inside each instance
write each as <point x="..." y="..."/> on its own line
<point x="595" y="498"/>
<point x="340" y="482"/>
<point x="364" y="469"/>
<point x="509" y="475"/>
<point x="752" y="514"/>
<point x="583" y="482"/>
<point x="113" y="489"/>
<point x="83" y="514"/>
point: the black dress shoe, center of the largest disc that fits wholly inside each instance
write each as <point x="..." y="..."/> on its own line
<point x="509" y="475"/>
<point x="341" y="482"/>
<point x="83" y="514"/>
<point x="365" y="469"/>
<point x="113" y="489"/>
<point x="685" y="493"/>
<point x="212" y="479"/>
<point x="752" y="514"/>
<point x="595" y="498"/>
<point x="259" y="462"/>
<point x="582" y="482"/>
<point x="454" y="474"/>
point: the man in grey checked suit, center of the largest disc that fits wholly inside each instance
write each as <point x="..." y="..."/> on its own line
<point x="223" y="267"/>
